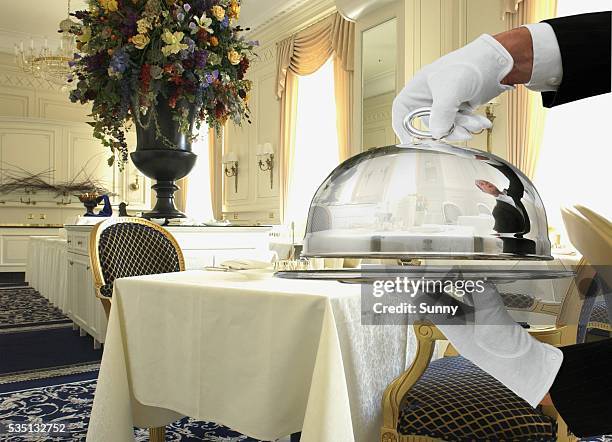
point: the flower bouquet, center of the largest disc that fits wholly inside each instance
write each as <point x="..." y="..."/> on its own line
<point x="135" y="55"/>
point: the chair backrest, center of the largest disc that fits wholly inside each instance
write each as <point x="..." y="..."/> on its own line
<point x="483" y="209"/>
<point x="126" y="246"/>
<point x="596" y="249"/>
<point x="451" y="212"/>
<point x="600" y="222"/>
<point x="594" y="244"/>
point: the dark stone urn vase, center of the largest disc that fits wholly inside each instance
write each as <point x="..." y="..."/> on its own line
<point x="156" y="159"/>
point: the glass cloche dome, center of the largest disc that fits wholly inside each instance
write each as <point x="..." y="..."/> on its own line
<point x="427" y="199"/>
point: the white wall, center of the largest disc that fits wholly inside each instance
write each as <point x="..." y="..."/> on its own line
<point x="255" y="201"/>
<point x="377" y="129"/>
<point x="427" y="29"/>
<point x="436" y="27"/>
<point x="41" y="130"/>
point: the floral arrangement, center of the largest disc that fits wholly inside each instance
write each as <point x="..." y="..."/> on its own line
<point x="133" y="54"/>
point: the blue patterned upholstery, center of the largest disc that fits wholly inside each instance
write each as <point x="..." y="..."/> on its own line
<point x="455" y="400"/>
<point x="600" y="313"/>
<point x="133" y="249"/>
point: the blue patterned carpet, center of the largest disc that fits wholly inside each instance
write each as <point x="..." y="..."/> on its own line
<point x="67" y="400"/>
<point x="24" y="308"/>
<point x="45" y="349"/>
<point x="48" y="375"/>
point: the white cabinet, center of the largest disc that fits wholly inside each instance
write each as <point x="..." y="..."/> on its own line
<point x="84" y="308"/>
<point x="201" y="246"/>
<point x="77" y="278"/>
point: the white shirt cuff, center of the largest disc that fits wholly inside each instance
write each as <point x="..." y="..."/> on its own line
<point x="547" y="71"/>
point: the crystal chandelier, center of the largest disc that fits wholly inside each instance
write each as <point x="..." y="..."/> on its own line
<point x="48" y="64"/>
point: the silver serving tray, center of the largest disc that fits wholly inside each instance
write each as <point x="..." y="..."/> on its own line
<point x="359" y="276"/>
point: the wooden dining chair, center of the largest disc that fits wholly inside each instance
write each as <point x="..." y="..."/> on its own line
<point x="599" y="222"/>
<point x="122" y="247"/>
<point x="453" y="399"/>
<point x="591" y="235"/>
<point x="127" y="246"/>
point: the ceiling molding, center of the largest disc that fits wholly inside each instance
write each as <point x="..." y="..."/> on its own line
<point x="294" y="16"/>
<point x="290" y="20"/>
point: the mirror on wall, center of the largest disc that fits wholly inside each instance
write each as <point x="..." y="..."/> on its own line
<point x="378" y="73"/>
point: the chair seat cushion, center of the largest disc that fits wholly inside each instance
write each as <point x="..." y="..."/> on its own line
<point x="455" y="400"/>
<point x="600" y="313"/>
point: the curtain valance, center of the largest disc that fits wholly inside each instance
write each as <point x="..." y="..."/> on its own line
<point x="305" y="52"/>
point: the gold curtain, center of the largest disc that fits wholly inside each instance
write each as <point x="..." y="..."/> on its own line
<point x="526" y="115"/>
<point x="343" y="45"/>
<point x="305" y="52"/>
<point x="287" y="139"/>
<point x="215" y="173"/>
<point x="302" y="54"/>
<point x="343" y="91"/>
<point x="214" y="166"/>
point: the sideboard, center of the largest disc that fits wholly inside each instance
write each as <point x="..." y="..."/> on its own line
<point x="202" y="246"/>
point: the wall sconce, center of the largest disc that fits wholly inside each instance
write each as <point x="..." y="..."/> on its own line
<point x="230" y="167"/>
<point x="265" y="160"/>
<point x="135" y="185"/>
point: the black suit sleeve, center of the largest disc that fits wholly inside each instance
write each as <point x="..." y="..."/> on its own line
<point x="584" y="41"/>
<point x="582" y="390"/>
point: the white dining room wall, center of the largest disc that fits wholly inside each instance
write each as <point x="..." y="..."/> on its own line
<point x="256" y="201"/>
<point x="434" y="28"/>
<point x="41" y="130"/>
<point x="427" y="29"/>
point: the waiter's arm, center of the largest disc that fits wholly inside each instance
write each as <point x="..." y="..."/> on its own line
<point x="565" y="59"/>
<point x="584" y="43"/>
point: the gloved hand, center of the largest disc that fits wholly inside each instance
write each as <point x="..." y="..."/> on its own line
<point x="504" y="349"/>
<point x="454" y="85"/>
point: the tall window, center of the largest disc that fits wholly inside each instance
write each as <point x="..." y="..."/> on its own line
<point x="199" y="204"/>
<point x="316" y="142"/>
<point x="575" y="159"/>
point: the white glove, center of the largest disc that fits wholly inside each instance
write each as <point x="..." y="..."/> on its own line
<point x="454" y="85"/>
<point x="504" y="349"/>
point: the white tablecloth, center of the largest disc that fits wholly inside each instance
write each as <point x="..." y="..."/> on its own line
<point x="32" y="271"/>
<point x="46" y="268"/>
<point x="267" y="357"/>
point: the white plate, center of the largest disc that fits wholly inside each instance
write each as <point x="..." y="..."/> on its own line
<point x="217" y="224"/>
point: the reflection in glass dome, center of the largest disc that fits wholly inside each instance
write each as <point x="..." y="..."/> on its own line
<point x="428" y="200"/>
